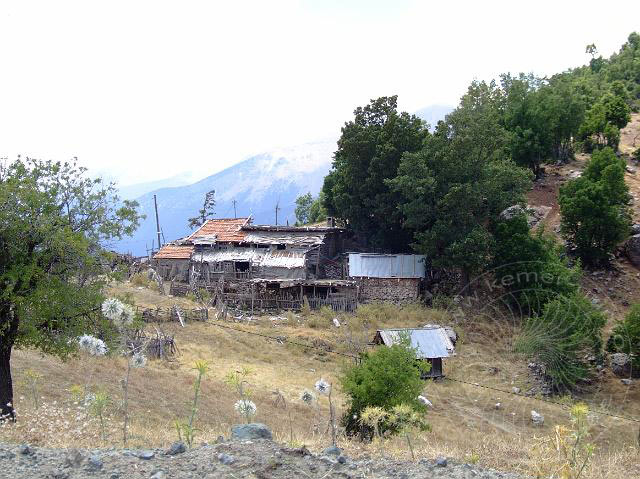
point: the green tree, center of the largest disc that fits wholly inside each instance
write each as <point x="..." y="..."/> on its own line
<point x="303" y="208"/>
<point x="207" y="211"/>
<point x="625" y="337"/>
<point x="457" y="185"/>
<point x="595" y="208"/>
<point x="53" y="223"/>
<point x="568" y="331"/>
<point x="369" y="152"/>
<point x="385" y="378"/>
<point x="530" y="267"/>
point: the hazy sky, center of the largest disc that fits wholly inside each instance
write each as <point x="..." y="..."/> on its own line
<point x="147" y="89"/>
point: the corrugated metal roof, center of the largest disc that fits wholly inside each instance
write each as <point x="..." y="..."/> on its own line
<point x="170" y="251"/>
<point x="429" y="342"/>
<point x="372" y="265"/>
<point x="224" y="229"/>
<point x="283" y="259"/>
<point x="292" y="238"/>
<point x="233" y="254"/>
<point x="258" y="257"/>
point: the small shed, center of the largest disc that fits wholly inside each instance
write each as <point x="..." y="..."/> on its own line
<point x="432" y="345"/>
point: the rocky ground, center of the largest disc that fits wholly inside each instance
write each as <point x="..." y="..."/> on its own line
<point x="237" y="458"/>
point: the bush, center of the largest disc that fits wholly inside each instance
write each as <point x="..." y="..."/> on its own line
<point x="625" y="337"/>
<point x="594" y="208"/>
<point x="385" y="378"/>
<point x="562" y="337"/>
<point x="530" y="267"/>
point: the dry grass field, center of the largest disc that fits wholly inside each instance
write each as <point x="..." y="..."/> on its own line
<point x="465" y="423"/>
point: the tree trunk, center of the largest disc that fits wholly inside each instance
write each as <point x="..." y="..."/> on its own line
<point x="9" y="323"/>
<point x="466" y="283"/>
<point x="6" y="385"/>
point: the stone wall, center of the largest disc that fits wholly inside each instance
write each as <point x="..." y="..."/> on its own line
<point x="392" y="290"/>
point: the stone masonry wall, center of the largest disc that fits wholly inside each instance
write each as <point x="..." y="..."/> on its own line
<point x="392" y="290"/>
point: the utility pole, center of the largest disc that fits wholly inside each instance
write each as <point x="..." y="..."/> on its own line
<point x="277" y="209"/>
<point x="235" y="215"/>
<point x="155" y="204"/>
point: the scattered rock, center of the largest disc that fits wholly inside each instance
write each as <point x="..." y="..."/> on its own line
<point x="74" y="458"/>
<point x="497" y="406"/>
<point x="635" y="229"/>
<point x="425" y="401"/>
<point x="515" y="390"/>
<point x="332" y="451"/>
<point x="176" y="448"/>
<point x="146" y="455"/>
<point x="626" y="381"/>
<point x="160" y="474"/>
<point x="342" y="459"/>
<point x="25" y="450"/>
<point x="630" y="169"/>
<point x="536" y="418"/>
<point x="219" y="439"/>
<point x="226" y="459"/>
<point x="336" y="323"/>
<point x="442" y="461"/>
<point x="95" y="463"/>
<point x="632" y="249"/>
<point x="246" y="432"/>
<point x="620" y="364"/>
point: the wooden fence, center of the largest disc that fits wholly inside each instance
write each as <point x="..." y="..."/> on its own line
<point x="159" y="315"/>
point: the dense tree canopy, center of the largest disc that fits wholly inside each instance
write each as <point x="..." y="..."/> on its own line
<point x="456" y="186"/>
<point x="369" y="152"/>
<point x="53" y="224"/>
<point x="309" y="209"/>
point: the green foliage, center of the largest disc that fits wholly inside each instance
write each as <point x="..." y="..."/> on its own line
<point x="530" y="267"/>
<point x="568" y="330"/>
<point x="594" y="208"/>
<point x="309" y="210"/>
<point x="369" y="153"/>
<point x="53" y="221"/>
<point x="625" y="337"/>
<point x="457" y="185"/>
<point x="186" y="430"/>
<point x="207" y="210"/>
<point x="99" y="405"/>
<point x="384" y="378"/>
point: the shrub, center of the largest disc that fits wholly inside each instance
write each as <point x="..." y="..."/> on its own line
<point x="562" y="337"/>
<point x="530" y="267"/>
<point x="625" y="337"/>
<point x="385" y="378"/>
<point x="594" y="208"/>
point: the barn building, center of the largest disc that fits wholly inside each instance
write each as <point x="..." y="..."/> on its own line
<point x="433" y="344"/>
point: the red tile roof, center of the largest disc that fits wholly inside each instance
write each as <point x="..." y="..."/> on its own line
<point x="171" y="251"/>
<point x="225" y="229"/>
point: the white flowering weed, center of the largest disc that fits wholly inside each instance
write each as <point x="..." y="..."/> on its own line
<point x="323" y="387"/>
<point x="92" y="345"/>
<point x="119" y="313"/>
<point x="246" y="407"/>
<point x="138" y="360"/>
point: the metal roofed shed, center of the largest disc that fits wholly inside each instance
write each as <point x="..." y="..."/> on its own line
<point x="431" y="344"/>
<point x="372" y="265"/>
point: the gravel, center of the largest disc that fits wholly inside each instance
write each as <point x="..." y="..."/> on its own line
<point x="242" y="459"/>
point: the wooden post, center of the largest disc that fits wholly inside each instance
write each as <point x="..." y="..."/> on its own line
<point x="252" y="296"/>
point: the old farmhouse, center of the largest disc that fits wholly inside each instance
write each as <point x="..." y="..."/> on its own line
<point x="282" y="267"/>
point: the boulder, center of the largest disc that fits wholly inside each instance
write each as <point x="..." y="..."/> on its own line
<point x="632" y="248"/>
<point x="635" y="229"/>
<point x="332" y="451"/>
<point x="534" y="214"/>
<point x="176" y="448"/>
<point x="247" y="432"/>
<point x="536" y="418"/>
<point x="620" y="364"/>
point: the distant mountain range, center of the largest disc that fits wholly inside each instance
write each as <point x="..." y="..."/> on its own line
<point x="257" y="185"/>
